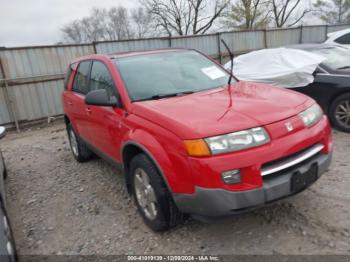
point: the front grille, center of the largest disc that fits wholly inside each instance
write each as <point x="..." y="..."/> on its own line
<point x="290" y="161"/>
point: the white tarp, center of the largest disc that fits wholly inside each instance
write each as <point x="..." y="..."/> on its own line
<point x="282" y="67"/>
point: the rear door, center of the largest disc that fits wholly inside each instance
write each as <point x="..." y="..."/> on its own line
<point x="75" y="101"/>
<point x="105" y="122"/>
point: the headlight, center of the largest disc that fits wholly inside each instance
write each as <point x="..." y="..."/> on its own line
<point x="238" y="140"/>
<point x="311" y="115"/>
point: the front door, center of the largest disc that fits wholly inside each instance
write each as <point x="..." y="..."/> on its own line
<point x="105" y="122"/>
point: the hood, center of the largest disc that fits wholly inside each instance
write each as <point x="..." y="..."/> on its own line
<point x="216" y="112"/>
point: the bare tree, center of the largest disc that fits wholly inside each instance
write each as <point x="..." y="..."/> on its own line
<point x="333" y="11"/>
<point x="94" y="26"/>
<point x="72" y="32"/>
<point x="101" y="24"/>
<point x="119" y="24"/>
<point x="248" y="14"/>
<point x="287" y="12"/>
<point x="184" y="17"/>
<point x="142" y="21"/>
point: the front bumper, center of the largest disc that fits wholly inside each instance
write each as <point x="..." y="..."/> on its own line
<point x="207" y="202"/>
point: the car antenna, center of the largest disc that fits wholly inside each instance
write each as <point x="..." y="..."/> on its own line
<point x="229" y="88"/>
<point x="231" y="58"/>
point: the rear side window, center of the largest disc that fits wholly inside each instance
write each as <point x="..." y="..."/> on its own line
<point x="68" y="75"/>
<point x="344" y="40"/>
<point x="102" y="79"/>
<point x="81" y="81"/>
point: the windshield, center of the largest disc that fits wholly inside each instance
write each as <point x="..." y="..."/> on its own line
<point x="154" y="76"/>
<point x="336" y="57"/>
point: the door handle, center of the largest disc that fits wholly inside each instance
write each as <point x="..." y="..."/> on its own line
<point x="70" y="103"/>
<point x="88" y="110"/>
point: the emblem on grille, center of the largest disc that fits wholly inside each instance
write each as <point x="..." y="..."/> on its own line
<point x="289" y="126"/>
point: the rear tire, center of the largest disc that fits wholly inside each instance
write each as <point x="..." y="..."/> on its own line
<point x="339" y="113"/>
<point x="79" y="149"/>
<point x="4" y="175"/>
<point x="152" y="196"/>
<point x="8" y="234"/>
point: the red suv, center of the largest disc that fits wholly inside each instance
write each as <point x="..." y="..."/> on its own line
<point x="188" y="142"/>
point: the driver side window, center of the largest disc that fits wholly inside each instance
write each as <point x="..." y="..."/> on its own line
<point x="100" y="78"/>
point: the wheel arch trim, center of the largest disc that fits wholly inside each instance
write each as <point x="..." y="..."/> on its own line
<point x="148" y="154"/>
<point x="68" y="120"/>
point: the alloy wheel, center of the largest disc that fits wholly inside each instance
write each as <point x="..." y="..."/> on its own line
<point x="145" y="194"/>
<point x="73" y="142"/>
<point x="342" y="113"/>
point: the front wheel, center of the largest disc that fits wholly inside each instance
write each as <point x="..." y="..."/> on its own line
<point x="151" y="195"/>
<point x="340" y="113"/>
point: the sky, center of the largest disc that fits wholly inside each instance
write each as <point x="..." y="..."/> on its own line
<point x="38" y="22"/>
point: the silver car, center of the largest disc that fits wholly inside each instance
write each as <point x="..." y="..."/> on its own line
<point x="7" y="244"/>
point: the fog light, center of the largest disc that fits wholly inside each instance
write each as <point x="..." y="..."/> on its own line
<point x="231" y="177"/>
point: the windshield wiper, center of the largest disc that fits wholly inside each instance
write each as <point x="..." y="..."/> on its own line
<point x="160" y="96"/>
<point x="172" y="95"/>
<point x="344" y="67"/>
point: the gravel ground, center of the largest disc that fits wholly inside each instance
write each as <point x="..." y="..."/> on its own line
<point x="59" y="206"/>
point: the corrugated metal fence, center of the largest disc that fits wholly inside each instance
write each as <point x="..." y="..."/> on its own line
<point x="31" y="78"/>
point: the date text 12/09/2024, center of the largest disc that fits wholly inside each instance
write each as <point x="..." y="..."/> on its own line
<point x="174" y="258"/>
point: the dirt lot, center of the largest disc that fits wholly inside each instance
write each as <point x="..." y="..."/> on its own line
<point x="59" y="206"/>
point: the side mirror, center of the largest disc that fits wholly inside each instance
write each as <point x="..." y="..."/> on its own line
<point x="100" y="98"/>
<point x="2" y="131"/>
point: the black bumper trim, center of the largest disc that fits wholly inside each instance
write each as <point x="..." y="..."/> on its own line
<point x="207" y="202"/>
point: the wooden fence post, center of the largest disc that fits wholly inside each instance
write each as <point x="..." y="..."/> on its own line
<point x="219" y="46"/>
<point x="169" y="41"/>
<point x="94" y="47"/>
<point x="11" y="106"/>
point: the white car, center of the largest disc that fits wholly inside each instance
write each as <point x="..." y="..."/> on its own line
<point x="340" y="38"/>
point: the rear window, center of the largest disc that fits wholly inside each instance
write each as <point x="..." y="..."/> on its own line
<point x="68" y="75"/>
<point x="344" y="40"/>
<point x="81" y="81"/>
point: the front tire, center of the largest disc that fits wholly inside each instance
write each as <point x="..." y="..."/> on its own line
<point x="79" y="149"/>
<point x="152" y="196"/>
<point x="339" y="113"/>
